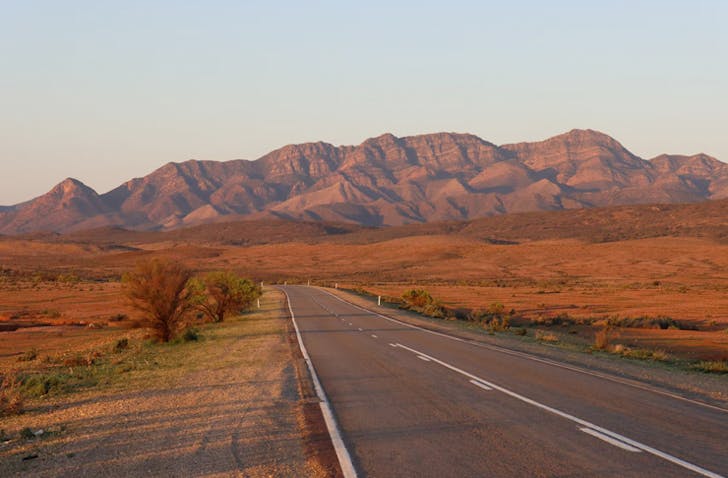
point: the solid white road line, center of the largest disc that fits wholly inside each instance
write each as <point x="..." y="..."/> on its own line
<point x="347" y="466"/>
<point x="573" y="368"/>
<point x="604" y="431"/>
<point x="423" y="358"/>
<point x="610" y="440"/>
<point x="393" y="345"/>
<point x="481" y="385"/>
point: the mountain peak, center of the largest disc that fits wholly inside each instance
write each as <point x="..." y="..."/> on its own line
<point x="385" y="180"/>
<point x="71" y="187"/>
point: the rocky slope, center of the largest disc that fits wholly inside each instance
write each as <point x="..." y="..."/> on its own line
<point x="383" y="181"/>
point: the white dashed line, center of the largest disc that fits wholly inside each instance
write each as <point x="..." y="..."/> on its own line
<point x="595" y="428"/>
<point x="480" y="384"/>
<point x="610" y="440"/>
<point x="527" y="356"/>
<point x="374" y="336"/>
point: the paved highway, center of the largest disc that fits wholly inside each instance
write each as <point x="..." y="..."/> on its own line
<point x="409" y="402"/>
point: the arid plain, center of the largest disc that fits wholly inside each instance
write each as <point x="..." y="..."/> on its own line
<point x="625" y="266"/>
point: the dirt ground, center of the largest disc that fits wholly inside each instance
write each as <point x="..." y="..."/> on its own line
<point x="229" y="405"/>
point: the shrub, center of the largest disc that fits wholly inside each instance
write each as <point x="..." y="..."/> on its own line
<point x="712" y="366"/>
<point x="27" y="434"/>
<point x="519" y="331"/>
<point x="420" y="301"/>
<point x="602" y="338"/>
<point x="11" y="400"/>
<point x="121" y="344"/>
<point x="29" y="356"/>
<point x="542" y="336"/>
<point x="161" y="290"/>
<point x="497" y="324"/>
<point x="417" y="298"/>
<point x="218" y="294"/>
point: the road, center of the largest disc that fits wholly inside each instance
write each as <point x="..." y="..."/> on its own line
<point x="409" y="402"/>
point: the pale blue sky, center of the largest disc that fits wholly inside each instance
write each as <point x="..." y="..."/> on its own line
<point x="107" y="91"/>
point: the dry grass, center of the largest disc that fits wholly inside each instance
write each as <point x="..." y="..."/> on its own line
<point x="548" y="337"/>
<point x="681" y="278"/>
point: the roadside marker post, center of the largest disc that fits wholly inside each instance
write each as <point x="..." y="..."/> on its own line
<point x="259" y="303"/>
<point x="379" y="300"/>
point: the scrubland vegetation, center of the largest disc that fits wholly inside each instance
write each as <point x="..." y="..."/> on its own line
<point x="172" y="304"/>
<point x="589" y="334"/>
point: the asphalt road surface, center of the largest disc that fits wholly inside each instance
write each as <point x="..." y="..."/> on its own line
<point x="410" y="402"/>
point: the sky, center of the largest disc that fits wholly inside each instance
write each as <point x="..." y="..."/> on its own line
<point x="107" y="91"/>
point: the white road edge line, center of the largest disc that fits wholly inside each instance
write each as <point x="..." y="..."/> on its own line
<point x="347" y="467"/>
<point x="610" y="440"/>
<point x="553" y="363"/>
<point x="597" y="428"/>
<point x="481" y="385"/>
<point x="421" y="357"/>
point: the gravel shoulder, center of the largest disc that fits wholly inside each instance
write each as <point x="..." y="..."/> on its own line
<point x="233" y="404"/>
<point x="710" y="389"/>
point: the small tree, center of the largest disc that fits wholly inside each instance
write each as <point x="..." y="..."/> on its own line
<point x="222" y="293"/>
<point x="161" y="290"/>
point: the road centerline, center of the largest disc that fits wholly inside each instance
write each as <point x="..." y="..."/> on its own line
<point x="596" y="428"/>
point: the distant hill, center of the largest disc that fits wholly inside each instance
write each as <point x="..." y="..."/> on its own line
<point x="383" y="181"/>
<point x="707" y="219"/>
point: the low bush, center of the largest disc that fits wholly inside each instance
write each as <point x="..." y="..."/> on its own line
<point x="11" y="399"/>
<point x="645" y="322"/>
<point x="519" y="331"/>
<point x="641" y="354"/>
<point x="542" y="336"/>
<point x="712" y="366"/>
<point x="29" y="356"/>
<point x="121" y="344"/>
<point x="602" y="338"/>
<point x="420" y="301"/>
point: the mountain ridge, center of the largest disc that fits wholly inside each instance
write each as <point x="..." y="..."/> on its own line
<point x="385" y="180"/>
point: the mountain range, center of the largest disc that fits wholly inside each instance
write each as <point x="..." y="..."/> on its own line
<point x="383" y="181"/>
